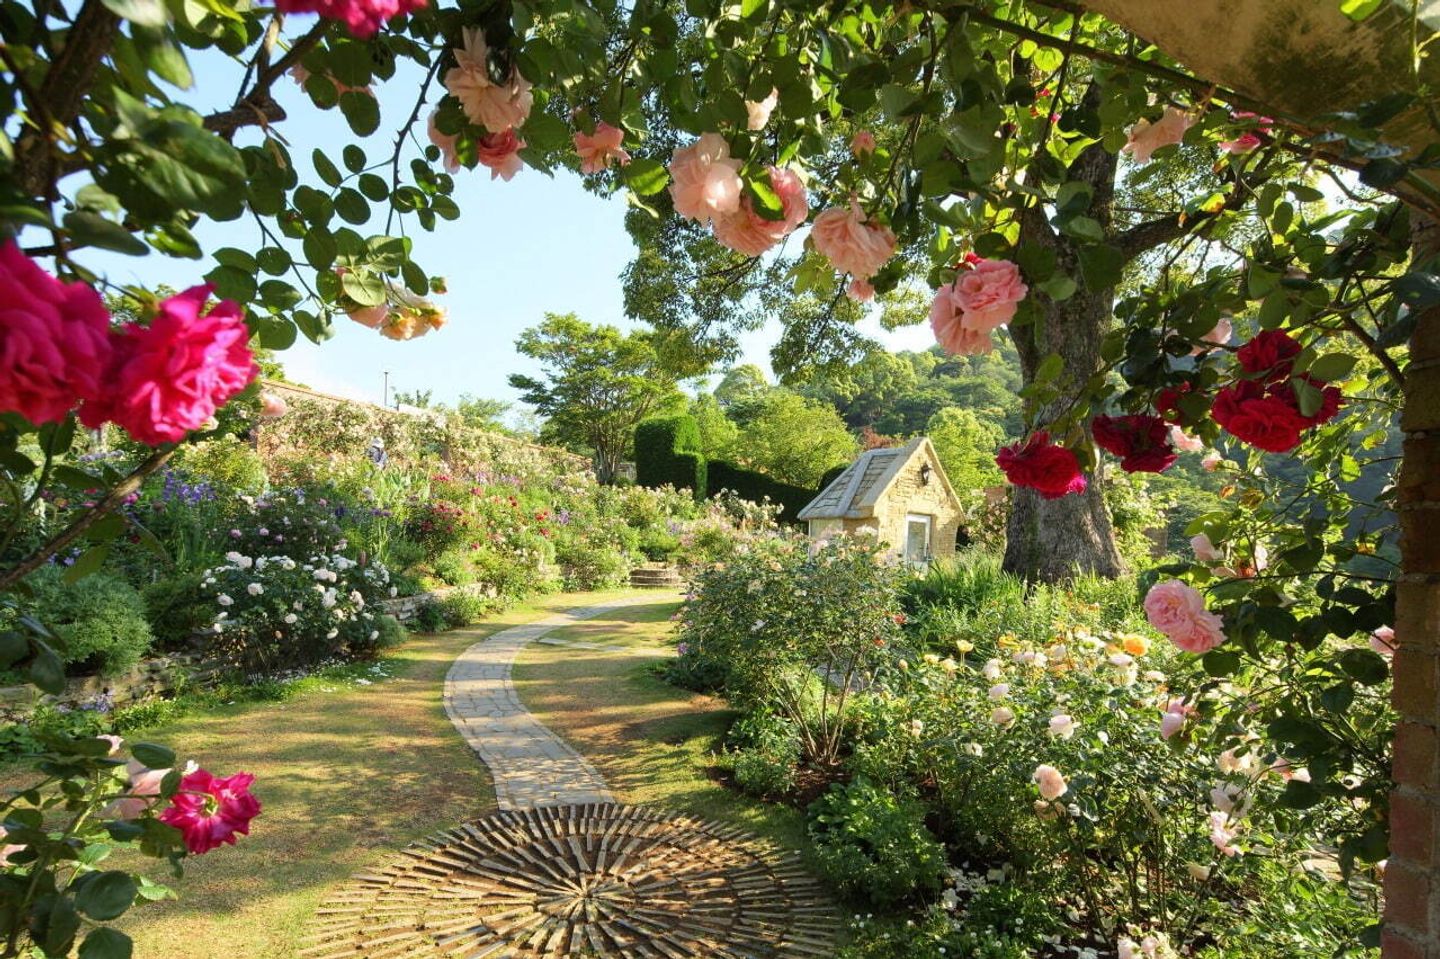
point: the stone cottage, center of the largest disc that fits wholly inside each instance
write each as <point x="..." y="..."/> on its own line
<point x="902" y="493"/>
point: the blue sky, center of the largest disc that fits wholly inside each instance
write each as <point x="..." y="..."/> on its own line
<point x="519" y="249"/>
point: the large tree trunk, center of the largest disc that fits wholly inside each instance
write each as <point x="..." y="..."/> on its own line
<point x="1054" y="540"/>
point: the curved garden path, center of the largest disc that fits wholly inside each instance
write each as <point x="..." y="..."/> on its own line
<point x="531" y="766"/>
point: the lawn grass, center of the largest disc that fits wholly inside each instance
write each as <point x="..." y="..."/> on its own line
<point x="651" y="741"/>
<point x="347" y="772"/>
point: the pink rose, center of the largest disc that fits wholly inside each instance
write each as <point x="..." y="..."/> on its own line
<point x="987" y="293"/>
<point x="1171" y="722"/>
<point x="758" y="112"/>
<point x="370" y="316"/>
<point x="210" y="812"/>
<point x="55" y="340"/>
<point x="1184" y="442"/>
<point x="496" y="107"/>
<point x="851" y="244"/>
<point x="1052" y="784"/>
<point x="947" y="322"/>
<point x="1179" y="612"/>
<point x="705" y="180"/>
<point x="860" y="290"/>
<point x="1204" y="550"/>
<point x="1383" y="641"/>
<point x="862" y="143"/>
<point x="1218" y="336"/>
<point x="363" y="18"/>
<point x="1241" y="144"/>
<point x="597" y="149"/>
<point x="1146" y="137"/>
<point x="445" y="142"/>
<point x="1211" y="462"/>
<point x="170" y="377"/>
<point x="747" y="232"/>
<point x="272" y="406"/>
<point x="501" y="153"/>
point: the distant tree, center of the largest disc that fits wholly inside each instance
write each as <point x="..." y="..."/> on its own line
<point x="794" y="439"/>
<point x="966" y="445"/>
<point x="598" y="383"/>
<point x="718" y="433"/>
<point x="481" y="413"/>
<point x="420" y="399"/>
<point x="742" y="385"/>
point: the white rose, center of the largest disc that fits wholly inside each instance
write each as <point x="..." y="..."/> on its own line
<point x="224" y="600"/>
<point x="254" y="589"/>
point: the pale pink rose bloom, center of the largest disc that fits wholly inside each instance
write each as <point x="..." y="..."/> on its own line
<point x="851" y="244"/>
<point x="1062" y="726"/>
<point x="747" y="232"/>
<point x="597" y="149"/>
<point x="1222" y="834"/>
<point x="1204" y="550"/>
<point x="500" y="153"/>
<point x="1241" y="144"/>
<point x="1052" y="784"/>
<point x="999" y="691"/>
<point x="1197" y="872"/>
<point x="860" y="290"/>
<point x="370" y="316"/>
<point x="445" y="142"/>
<point x="1171" y="723"/>
<point x="1047" y="810"/>
<point x="759" y="111"/>
<point x="143" y="782"/>
<point x="1184" y="442"/>
<point x="272" y="406"/>
<point x="1383" y="641"/>
<point x="1127" y="949"/>
<point x="947" y="322"/>
<point x="1179" y="612"/>
<point x="1211" y="462"/>
<point x="862" y="142"/>
<point x="1002" y="715"/>
<point x="1218" y="336"/>
<point x="705" y="179"/>
<point x="1146" y="137"/>
<point x="1226" y="798"/>
<point x="988" y="292"/>
<point x="496" y="107"/>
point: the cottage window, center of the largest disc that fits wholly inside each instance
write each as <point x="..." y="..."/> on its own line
<point x="917" y="538"/>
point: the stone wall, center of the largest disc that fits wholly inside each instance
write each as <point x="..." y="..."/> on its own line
<point x="405" y="608"/>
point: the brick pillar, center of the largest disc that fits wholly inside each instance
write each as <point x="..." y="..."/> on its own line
<point x="1412" y="879"/>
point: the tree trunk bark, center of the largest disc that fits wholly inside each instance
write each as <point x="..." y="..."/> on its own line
<point x="1055" y="540"/>
<point x="1412" y="878"/>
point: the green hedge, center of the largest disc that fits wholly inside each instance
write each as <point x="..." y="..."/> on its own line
<point x="666" y="451"/>
<point x="757" y="486"/>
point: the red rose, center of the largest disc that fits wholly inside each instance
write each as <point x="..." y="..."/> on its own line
<point x="1271" y="353"/>
<point x="1167" y="401"/>
<point x="1247" y="412"/>
<point x="1142" y="442"/>
<point x="1330" y="399"/>
<point x="1052" y="471"/>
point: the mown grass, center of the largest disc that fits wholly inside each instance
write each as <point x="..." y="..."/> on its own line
<point x="651" y="741"/>
<point x="348" y="773"/>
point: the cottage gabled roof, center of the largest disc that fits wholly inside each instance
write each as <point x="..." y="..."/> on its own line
<point x="854" y="493"/>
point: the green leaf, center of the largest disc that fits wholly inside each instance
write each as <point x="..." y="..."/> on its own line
<point x="1049" y="369"/>
<point x="1332" y="366"/>
<point x="646" y="176"/>
<point x="147" y="13"/>
<point x="365" y="288"/>
<point x="106" y="943"/>
<point x="1060" y="287"/>
<point x="319" y="247"/>
<point x="273" y="260"/>
<point x="361" y="111"/>
<point x="153" y="755"/>
<point x="86" y="563"/>
<point x="92" y="229"/>
<point x="1221" y="662"/>
<point x="373" y="187"/>
<point x="1360" y="9"/>
<point x="106" y="896"/>
<point x="232" y="283"/>
<point x="352" y="206"/>
<point x="1364" y="666"/>
<point x="1300" y="795"/>
<point x="354" y="157"/>
<point x="46" y="671"/>
<point x="1101" y="266"/>
<point x="1083" y="228"/>
<point x="1383" y="172"/>
<point x="13" y="648"/>
<point x="325" y="168"/>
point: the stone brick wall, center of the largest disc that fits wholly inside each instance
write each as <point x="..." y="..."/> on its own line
<point x="405" y="608"/>
<point x="907" y="495"/>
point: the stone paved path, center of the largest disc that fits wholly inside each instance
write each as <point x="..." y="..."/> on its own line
<point x="531" y="766"/>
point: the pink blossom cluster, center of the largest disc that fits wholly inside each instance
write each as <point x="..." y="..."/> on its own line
<point x="853" y="244"/>
<point x="363" y="18"/>
<point x="1178" y="610"/>
<point x="498" y="108"/>
<point x="706" y="187"/>
<point x="158" y="382"/>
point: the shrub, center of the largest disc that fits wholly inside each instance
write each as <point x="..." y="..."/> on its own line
<point x="227" y="463"/>
<point x="101" y="619"/>
<point x="177" y="609"/>
<point x="274" y="613"/>
<point x="430" y="617"/>
<point x="585" y="567"/>
<point x="766" y="752"/>
<point x="658" y="545"/>
<point x="392" y="633"/>
<point x="453" y="568"/>
<point x="666" y="453"/>
<point x="289" y="524"/>
<point x="758" y="488"/>
<point x="873" y="845"/>
<point x="464" y="608"/>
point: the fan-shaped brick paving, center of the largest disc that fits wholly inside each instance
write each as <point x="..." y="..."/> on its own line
<point x="600" y="880"/>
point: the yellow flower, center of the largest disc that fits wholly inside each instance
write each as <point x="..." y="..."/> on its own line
<point x="964" y="645"/>
<point x="1135" y="645"/>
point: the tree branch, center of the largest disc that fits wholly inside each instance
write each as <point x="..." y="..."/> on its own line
<point x="258" y="108"/>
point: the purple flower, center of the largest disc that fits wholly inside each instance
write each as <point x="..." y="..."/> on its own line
<point x="683" y="648"/>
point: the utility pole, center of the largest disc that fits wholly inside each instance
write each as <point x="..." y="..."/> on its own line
<point x="385" y="397"/>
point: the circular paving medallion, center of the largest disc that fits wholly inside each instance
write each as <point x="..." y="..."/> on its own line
<point x="599" y="880"/>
